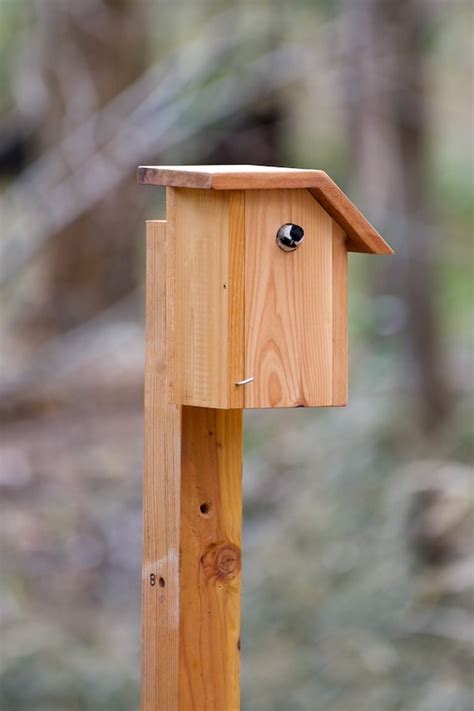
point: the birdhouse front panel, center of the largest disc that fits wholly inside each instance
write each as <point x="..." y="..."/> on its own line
<point x="254" y="325"/>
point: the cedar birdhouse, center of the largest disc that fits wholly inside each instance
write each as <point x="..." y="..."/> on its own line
<point x="246" y="307"/>
<point x="257" y="284"/>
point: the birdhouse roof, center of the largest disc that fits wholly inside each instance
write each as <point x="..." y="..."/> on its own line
<point x="361" y="235"/>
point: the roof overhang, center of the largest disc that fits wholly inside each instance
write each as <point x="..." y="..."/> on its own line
<point x="361" y="235"/>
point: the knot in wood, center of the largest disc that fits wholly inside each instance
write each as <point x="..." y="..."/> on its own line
<point x="221" y="561"/>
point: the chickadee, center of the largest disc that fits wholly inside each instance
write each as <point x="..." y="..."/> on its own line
<point x="289" y="237"/>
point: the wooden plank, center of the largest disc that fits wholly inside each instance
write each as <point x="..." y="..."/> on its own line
<point x="161" y="495"/>
<point x="288" y="302"/>
<point x="192" y="514"/>
<point x="226" y="177"/>
<point x="206" y="254"/>
<point x="235" y="289"/>
<point x="211" y="521"/>
<point x="362" y="236"/>
<point x="340" y="316"/>
<point x="170" y="292"/>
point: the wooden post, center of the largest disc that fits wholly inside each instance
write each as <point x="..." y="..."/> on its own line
<point x="192" y="531"/>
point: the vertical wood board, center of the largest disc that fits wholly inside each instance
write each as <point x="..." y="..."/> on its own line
<point x="211" y="539"/>
<point x="340" y="317"/>
<point x="161" y="495"/>
<point x="235" y="287"/>
<point x="192" y="537"/>
<point x="288" y="302"/>
<point x="206" y="255"/>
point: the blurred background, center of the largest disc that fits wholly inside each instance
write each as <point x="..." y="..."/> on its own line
<point x="358" y="567"/>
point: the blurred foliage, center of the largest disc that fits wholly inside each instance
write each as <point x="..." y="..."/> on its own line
<point x="12" y="21"/>
<point x="343" y="608"/>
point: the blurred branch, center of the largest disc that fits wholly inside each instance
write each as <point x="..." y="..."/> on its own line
<point x="73" y="176"/>
<point x="170" y="104"/>
<point x="100" y="360"/>
<point x="454" y="624"/>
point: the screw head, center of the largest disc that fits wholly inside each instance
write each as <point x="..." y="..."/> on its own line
<point x="289" y="237"/>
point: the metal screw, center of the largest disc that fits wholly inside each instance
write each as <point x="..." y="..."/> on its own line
<point x="245" y="382"/>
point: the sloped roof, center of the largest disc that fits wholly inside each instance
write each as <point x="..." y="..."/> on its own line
<point x="361" y="235"/>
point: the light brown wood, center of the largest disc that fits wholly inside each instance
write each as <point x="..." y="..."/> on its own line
<point x="231" y="306"/>
<point x="363" y="237"/>
<point x="170" y="291"/>
<point x="235" y="290"/>
<point x="192" y="515"/>
<point x="339" y="317"/>
<point x="211" y="521"/>
<point x="206" y="243"/>
<point x="288" y="303"/>
<point x="240" y="307"/>
<point x="161" y="496"/>
<point x="227" y="177"/>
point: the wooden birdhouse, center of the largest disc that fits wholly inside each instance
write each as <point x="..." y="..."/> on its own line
<point x="257" y="284"/>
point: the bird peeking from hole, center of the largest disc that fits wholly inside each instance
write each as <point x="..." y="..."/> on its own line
<point x="289" y="237"/>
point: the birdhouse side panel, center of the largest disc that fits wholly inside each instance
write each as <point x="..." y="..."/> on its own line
<point x="340" y="316"/>
<point x="288" y="302"/>
<point x="205" y="307"/>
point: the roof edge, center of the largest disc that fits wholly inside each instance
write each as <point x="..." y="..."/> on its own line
<point x="154" y="175"/>
<point x="361" y="235"/>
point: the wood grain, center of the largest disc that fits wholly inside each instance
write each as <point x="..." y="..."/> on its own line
<point x="288" y="303"/>
<point x="206" y="297"/>
<point x="211" y="521"/>
<point x="227" y="177"/>
<point x="161" y="496"/>
<point x="235" y="290"/>
<point x="362" y="236"/>
<point x="170" y="279"/>
<point x="192" y="520"/>
<point x="340" y="362"/>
